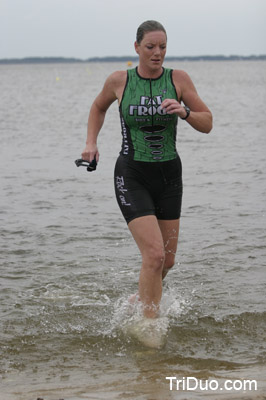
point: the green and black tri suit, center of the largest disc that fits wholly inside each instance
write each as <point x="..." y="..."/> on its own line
<point x="149" y="134"/>
<point x="148" y="173"/>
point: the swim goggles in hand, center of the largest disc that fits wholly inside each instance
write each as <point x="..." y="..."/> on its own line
<point x="91" y="166"/>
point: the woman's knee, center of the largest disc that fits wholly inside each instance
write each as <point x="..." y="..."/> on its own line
<point x="154" y="259"/>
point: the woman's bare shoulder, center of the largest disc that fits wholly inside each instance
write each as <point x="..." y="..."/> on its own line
<point x="117" y="78"/>
<point x="115" y="84"/>
<point x="180" y="75"/>
<point x="183" y="83"/>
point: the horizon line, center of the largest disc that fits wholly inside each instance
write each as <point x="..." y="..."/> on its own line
<point x="51" y="59"/>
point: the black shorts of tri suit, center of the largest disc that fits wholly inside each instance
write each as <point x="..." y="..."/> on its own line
<point x="144" y="188"/>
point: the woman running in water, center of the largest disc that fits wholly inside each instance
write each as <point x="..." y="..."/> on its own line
<point x="148" y="171"/>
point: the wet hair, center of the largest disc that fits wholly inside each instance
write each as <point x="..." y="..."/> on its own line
<point x="148" y="26"/>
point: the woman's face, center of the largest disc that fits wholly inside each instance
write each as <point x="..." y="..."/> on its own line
<point x="152" y="49"/>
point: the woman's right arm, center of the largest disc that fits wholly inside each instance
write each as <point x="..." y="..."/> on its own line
<point x="107" y="96"/>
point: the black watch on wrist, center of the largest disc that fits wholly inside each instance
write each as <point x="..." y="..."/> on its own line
<point x="187" y="111"/>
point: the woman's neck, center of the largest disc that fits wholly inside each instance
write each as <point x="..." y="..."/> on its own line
<point x="149" y="73"/>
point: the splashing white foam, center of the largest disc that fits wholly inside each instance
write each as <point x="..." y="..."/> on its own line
<point x="128" y="318"/>
<point x="150" y="332"/>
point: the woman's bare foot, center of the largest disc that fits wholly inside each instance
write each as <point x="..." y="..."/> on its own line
<point x="134" y="298"/>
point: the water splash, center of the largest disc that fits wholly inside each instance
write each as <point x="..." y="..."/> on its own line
<point x="128" y="319"/>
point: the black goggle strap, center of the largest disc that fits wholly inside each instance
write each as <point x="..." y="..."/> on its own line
<point x="91" y="166"/>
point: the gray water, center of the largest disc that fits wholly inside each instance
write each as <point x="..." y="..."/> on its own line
<point x="69" y="264"/>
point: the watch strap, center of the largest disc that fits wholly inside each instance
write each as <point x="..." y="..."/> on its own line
<point x="187" y="111"/>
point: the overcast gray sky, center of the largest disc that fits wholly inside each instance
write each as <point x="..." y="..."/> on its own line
<point x="88" y="28"/>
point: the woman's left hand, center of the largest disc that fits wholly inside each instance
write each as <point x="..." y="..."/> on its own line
<point x="172" y="106"/>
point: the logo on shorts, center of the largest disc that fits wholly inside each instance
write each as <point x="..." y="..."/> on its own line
<point x="119" y="181"/>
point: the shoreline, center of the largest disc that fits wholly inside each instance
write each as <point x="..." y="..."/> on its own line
<point x="53" y="60"/>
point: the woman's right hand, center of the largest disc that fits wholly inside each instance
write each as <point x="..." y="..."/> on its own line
<point x="90" y="152"/>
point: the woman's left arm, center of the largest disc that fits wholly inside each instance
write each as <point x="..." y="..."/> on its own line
<point x="200" y="117"/>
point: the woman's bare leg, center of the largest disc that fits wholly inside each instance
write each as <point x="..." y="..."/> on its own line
<point x="157" y="241"/>
<point x="148" y="236"/>
<point x="170" y="232"/>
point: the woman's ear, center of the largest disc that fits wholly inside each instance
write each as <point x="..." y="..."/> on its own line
<point x="136" y="47"/>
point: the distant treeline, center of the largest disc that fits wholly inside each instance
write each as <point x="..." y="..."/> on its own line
<point x="50" y="60"/>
